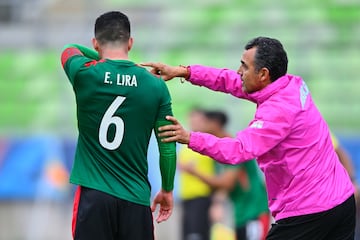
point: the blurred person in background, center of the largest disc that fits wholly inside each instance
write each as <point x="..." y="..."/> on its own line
<point x="244" y="185"/>
<point x="116" y="116"/>
<point x="346" y="161"/>
<point x="195" y="195"/>
<point x="310" y="193"/>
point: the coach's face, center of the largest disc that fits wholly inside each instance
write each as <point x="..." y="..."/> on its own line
<point x="252" y="80"/>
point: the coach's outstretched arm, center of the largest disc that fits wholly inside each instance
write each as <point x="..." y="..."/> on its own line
<point x="223" y="80"/>
<point x="167" y="72"/>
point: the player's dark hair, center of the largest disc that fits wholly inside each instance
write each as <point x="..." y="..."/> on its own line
<point x="112" y="27"/>
<point x="270" y="54"/>
<point x="219" y="116"/>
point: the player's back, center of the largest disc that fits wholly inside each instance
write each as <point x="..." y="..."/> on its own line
<point x="117" y="106"/>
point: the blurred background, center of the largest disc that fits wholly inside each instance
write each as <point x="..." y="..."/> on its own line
<point x="37" y="107"/>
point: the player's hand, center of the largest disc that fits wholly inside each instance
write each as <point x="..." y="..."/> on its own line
<point x="187" y="167"/>
<point x="174" y="132"/>
<point x="166" y="202"/>
<point x="166" y="72"/>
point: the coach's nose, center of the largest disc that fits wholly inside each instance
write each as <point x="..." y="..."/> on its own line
<point x="240" y="71"/>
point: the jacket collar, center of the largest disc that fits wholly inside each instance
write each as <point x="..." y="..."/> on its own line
<point x="262" y="95"/>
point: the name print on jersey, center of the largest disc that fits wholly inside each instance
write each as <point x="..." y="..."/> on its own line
<point x="120" y="79"/>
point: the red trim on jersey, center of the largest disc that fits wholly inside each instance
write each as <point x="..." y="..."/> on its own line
<point x="75" y="209"/>
<point x="68" y="53"/>
<point x="264" y="220"/>
<point x="153" y="226"/>
<point x="93" y="63"/>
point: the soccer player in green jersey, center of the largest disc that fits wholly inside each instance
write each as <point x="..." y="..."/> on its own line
<point x="118" y="106"/>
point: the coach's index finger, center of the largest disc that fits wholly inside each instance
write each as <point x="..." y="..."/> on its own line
<point x="158" y="69"/>
<point x="155" y="67"/>
<point x="150" y="64"/>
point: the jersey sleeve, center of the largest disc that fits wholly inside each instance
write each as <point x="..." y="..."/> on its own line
<point x="167" y="150"/>
<point x="73" y="57"/>
<point x="260" y="137"/>
<point x="217" y="79"/>
<point x="234" y="167"/>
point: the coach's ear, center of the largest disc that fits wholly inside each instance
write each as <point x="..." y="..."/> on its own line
<point x="95" y="44"/>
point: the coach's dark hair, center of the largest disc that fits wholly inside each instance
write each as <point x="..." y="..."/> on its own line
<point x="218" y="116"/>
<point x="270" y="54"/>
<point x="112" y="27"/>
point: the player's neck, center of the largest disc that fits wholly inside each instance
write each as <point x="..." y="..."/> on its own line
<point x="114" y="54"/>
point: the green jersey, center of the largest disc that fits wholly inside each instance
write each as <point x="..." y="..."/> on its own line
<point x="118" y="106"/>
<point x="248" y="201"/>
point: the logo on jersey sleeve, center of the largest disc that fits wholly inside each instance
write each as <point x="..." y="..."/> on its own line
<point x="304" y="92"/>
<point x="257" y="124"/>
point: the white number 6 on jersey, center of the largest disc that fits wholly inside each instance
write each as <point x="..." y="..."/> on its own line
<point x="109" y="119"/>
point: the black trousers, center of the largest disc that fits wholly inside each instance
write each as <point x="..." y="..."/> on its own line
<point x="195" y="222"/>
<point x="337" y="223"/>
<point x="100" y="216"/>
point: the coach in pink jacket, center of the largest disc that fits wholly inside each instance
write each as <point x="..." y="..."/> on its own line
<point x="310" y="193"/>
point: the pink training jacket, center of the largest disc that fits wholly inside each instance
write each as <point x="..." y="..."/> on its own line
<point x="289" y="138"/>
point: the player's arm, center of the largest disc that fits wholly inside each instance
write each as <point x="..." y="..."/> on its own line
<point x="74" y="56"/>
<point x="167" y="169"/>
<point x="224" y="181"/>
<point x="77" y="49"/>
<point x="68" y="53"/>
<point x="167" y="150"/>
<point x="167" y="158"/>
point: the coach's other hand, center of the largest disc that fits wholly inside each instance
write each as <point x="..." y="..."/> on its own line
<point x="174" y="132"/>
<point x="166" y="202"/>
<point x="167" y="72"/>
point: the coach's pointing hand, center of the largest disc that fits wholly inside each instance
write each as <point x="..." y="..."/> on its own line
<point x="174" y="132"/>
<point x="167" y="72"/>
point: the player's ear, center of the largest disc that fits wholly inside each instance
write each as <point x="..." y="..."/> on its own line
<point x="95" y="44"/>
<point x="130" y="43"/>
